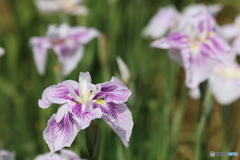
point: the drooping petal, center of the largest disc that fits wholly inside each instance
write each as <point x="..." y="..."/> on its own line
<point x="86" y="116"/>
<point x="69" y="155"/>
<point x="113" y="91"/>
<point x="175" y="40"/>
<point x="83" y="35"/>
<point x="2" y="51"/>
<point x="198" y="66"/>
<point x="119" y="118"/>
<point x="60" y="134"/>
<point x="165" y="20"/>
<point x="47" y="156"/>
<point x="195" y="93"/>
<point x="40" y="45"/>
<point x="58" y="94"/>
<point x="224" y="83"/>
<point x="69" y="55"/>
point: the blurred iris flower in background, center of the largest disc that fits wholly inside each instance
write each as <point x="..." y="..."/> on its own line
<point x="6" y="155"/>
<point x="64" y="155"/>
<point x="80" y="104"/>
<point x="71" y="7"/>
<point x="197" y="46"/>
<point x="67" y="43"/>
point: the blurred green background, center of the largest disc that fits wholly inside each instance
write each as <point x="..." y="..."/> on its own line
<point x="165" y="119"/>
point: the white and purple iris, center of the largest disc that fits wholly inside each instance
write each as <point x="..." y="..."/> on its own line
<point x="64" y="155"/>
<point x="80" y="104"/>
<point x="71" y="7"/>
<point x="6" y="155"/>
<point x="2" y="51"/>
<point x="68" y="44"/>
<point x="197" y="46"/>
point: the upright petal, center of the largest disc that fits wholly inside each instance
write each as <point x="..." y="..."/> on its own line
<point x="113" y="91"/>
<point x="58" y="94"/>
<point x="69" y="155"/>
<point x="165" y="20"/>
<point x="60" y="134"/>
<point x="123" y="68"/>
<point x="85" y="117"/>
<point x="40" y="45"/>
<point x="47" y="156"/>
<point x="119" y="118"/>
<point x="2" y="51"/>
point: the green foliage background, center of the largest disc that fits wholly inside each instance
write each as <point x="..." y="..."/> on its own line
<point x="159" y="97"/>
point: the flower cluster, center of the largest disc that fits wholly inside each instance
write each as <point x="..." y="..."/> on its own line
<point x="68" y="44"/>
<point x="80" y="104"/>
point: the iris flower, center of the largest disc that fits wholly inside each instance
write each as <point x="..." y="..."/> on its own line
<point x="197" y="46"/>
<point x="64" y="155"/>
<point x="71" y="7"/>
<point x="6" y="155"/>
<point x="68" y="44"/>
<point x="2" y="51"/>
<point x="80" y="104"/>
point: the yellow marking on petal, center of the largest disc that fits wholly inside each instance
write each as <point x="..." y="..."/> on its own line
<point x="210" y="34"/>
<point x="101" y="102"/>
<point x="195" y="48"/>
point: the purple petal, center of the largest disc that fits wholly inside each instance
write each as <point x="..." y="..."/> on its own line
<point x="83" y="35"/>
<point x="229" y="31"/>
<point x="113" y="91"/>
<point x="119" y="118"/>
<point x="175" y="55"/>
<point x="40" y="45"/>
<point x="85" y="117"/>
<point x="69" y="55"/>
<point x="60" y="134"/>
<point x="57" y="94"/>
<point x="69" y="155"/>
<point x="198" y="67"/>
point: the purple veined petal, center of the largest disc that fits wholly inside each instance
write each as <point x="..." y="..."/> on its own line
<point x="58" y="94"/>
<point x="40" y="45"/>
<point x="86" y="116"/>
<point x="48" y="6"/>
<point x="61" y="134"/>
<point x="164" y="20"/>
<point x="224" y="83"/>
<point x="119" y="118"/>
<point x="6" y="155"/>
<point x="198" y="66"/>
<point x="175" y="55"/>
<point x="69" y="55"/>
<point x="83" y="35"/>
<point x="113" y="91"/>
<point x="221" y="49"/>
<point x="47" y="156"/>
<point x="69" y="155"/>
<point x="229" y="31"/>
